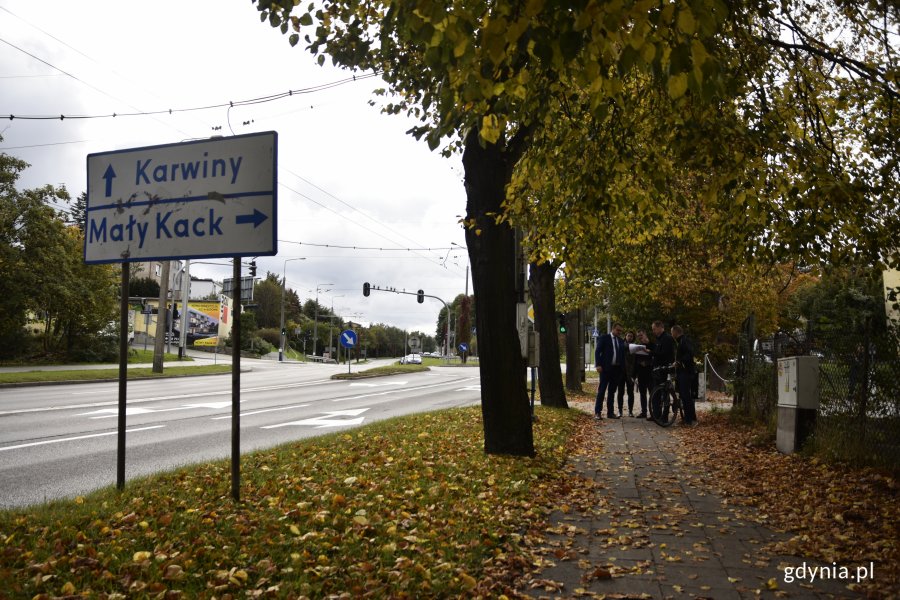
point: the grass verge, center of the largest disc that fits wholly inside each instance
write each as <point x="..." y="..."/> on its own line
<point x="136" y="356"/>
<point x="410" y="507"/>
<point x="108" y="374"/>
<point x="395" y="369"/>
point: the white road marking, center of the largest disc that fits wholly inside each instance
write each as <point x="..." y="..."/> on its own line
<point x="324" y="421"/>
<point x="79" y="437"/>
<point x="265" y="410"/>
<point x="361" y="384"/>
<point x="414" y="389"/>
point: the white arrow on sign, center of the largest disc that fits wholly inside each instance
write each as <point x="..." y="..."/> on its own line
<point x="325" y="421"/>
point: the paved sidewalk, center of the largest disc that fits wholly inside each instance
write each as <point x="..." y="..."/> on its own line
<point x="647" y="529"/>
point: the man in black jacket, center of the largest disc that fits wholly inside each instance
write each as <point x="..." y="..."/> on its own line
<point x="684" y="373"/>
<point x="662" y="350"/>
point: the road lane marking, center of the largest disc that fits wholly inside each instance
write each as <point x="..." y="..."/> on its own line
<point x="324" y="421"/>
<point x="177" y="397"/>
<point x="383" y="384"/>
<point x="385" y="393"/>
<point x="265" y="410"/>
<point x="79" y="437"/>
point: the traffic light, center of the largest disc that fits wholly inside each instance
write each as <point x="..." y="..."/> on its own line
<point x="366" y="289"/>
<point x="420" y="297"/>
<point x="562" y="322"/>
<point x="252" y="268"/>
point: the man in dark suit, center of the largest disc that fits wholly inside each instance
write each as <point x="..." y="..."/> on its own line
<point x="662" y="351"/>
<point x="610" y="361"/>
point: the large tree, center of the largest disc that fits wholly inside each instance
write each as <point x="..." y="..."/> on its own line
<point x="490" y="76"/>
<point x="46" y="280"/>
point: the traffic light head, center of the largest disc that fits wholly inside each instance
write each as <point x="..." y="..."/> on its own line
<point x="367" y="289"/>
<point x="252" y="268"/>
<point x="420" y="297"/>
<point x="562" y="323"/>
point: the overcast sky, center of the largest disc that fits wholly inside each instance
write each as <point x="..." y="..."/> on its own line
<point x="348" y="175"/>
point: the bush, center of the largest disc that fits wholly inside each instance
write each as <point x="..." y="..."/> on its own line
<point x="98" y="348"/>
<point x="271" y="335"/>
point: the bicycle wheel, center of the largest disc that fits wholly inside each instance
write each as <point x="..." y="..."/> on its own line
<point x="662" y="402"/>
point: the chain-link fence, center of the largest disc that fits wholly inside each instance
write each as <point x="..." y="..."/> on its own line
<point x="859" y="389"/>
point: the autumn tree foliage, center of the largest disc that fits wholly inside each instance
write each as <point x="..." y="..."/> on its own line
<point x="47" y="286"/>
<point x="765" y="97"/>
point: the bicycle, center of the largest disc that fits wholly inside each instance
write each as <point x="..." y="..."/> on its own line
<point x="665" y="403"/>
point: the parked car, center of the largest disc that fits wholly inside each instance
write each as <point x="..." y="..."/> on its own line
<point x="411" y="359"/>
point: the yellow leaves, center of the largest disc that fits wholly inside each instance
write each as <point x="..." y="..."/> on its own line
<point x="677" y="85"/>
<point x="685" y="21"/>
<point x="141" y="556"/>
<point x="459" y="49"/>
<point x="294" y="529"/>
<point x="490" y="129"/>
<point x="467" y="581"/>
<point x="68" y="589"/>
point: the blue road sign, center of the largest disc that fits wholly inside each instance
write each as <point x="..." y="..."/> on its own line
<point x="348" y="338"/>
<point x="464" y="347"/>
<point x="197" y="199"/>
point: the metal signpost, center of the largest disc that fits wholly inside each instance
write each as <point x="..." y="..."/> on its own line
<point x="199" y="199"/>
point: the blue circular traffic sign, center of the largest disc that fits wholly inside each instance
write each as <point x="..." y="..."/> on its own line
<point x="348" y="338"/>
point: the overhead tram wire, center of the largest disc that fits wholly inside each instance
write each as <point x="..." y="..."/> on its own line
<point x="344" y="217"/>
<point x="138" y="112"/>
<point x="351" y="207"/>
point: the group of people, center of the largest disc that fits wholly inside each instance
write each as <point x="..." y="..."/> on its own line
<point x="622" y="363"/>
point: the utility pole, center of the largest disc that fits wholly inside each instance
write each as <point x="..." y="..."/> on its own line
<point x="185" y="319"/>
<point x="159" y="344"/>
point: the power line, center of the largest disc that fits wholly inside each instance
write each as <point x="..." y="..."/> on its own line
<point x="367" y="247"/>
<point x="43" y="145"/>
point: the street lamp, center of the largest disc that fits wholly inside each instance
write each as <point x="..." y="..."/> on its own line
<point x="316" y="320"/>
<point x="331" y="325"/>
<point x="283" y="284"/>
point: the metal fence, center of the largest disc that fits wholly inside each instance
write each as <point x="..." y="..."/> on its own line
<point x="859" y="388"/>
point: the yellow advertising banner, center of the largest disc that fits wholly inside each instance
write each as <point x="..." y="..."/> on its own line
<point x="204" y="322"/>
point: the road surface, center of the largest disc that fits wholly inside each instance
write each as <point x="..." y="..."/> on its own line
<point x="60" y="441"/>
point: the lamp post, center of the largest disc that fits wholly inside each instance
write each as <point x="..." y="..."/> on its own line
<point x="283" y="284"/>
<point x="316" y="320"/>
<point x="331" y="326"/>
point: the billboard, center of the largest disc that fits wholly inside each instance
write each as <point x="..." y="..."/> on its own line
<point x="207" y="322"/>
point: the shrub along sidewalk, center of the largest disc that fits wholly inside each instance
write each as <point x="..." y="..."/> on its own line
<point x="408" y="507"/>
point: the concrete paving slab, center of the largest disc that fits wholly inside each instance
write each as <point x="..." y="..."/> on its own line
<point x="656" y="533"/>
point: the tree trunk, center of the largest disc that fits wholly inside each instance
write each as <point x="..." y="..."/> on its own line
<point x="505" y="406"/>
<point x="574" y="363"/>
<point x="160" y="341"/>
<point x="543" y="295"/>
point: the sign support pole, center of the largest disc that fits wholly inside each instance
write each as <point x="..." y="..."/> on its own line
<point x="236" y="385"/>
<point x="123" y="375"/>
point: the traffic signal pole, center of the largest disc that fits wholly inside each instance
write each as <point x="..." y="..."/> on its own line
<point x="420" y="297"/>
